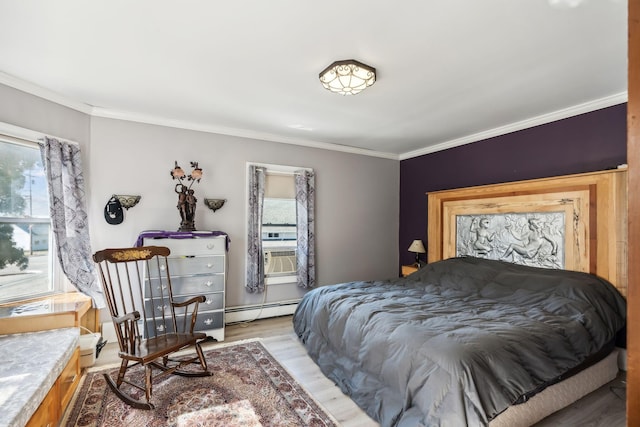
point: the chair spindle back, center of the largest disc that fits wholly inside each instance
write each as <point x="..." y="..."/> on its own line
<point x="137" y="286"/>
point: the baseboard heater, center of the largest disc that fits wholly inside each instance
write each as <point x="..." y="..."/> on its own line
<point x="232" y="315"/>
<point x="260" y="311"/>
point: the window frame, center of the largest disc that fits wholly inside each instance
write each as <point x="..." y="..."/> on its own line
<point x="281" y="170"/>
<point x="57" y="283"/>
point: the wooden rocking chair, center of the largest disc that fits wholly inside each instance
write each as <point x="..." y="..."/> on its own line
<point x="150" y="329"/>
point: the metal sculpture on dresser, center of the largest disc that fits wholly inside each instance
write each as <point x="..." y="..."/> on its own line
<point x="186" y="196"/>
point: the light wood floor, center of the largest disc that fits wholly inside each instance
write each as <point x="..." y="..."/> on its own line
<point x="603" y="408"/>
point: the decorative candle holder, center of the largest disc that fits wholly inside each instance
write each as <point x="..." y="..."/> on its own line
<point x="214" y="204"/>
<point x="127" y="201"/>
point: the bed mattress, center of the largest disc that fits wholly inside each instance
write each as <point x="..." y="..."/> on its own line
<point x="458" y="342"/>
<point x="559" y="395"/>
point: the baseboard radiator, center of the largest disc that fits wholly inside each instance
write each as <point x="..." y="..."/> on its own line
<point x="232" y="315"/>
<point x="260" y="311"/>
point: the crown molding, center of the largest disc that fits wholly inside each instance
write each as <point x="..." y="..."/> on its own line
<point x="52" y="96"/>
<point x="241" y="133"/>
<point x="575" y="110"/>
<point x="39" y="91"/>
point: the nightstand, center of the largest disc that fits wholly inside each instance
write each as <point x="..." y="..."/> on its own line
<point x="408" y="269"/>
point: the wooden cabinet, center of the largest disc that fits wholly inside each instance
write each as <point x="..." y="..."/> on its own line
<point x="46" y="414"/>
<point x="51" y="312"/>
<point x="198" y="266"/>
<point x="55" y="402"/>
<point x="68" y="381"/>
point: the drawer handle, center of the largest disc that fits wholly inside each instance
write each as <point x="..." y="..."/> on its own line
<point x="211" y="246"/>
<point x="208" y="301"/>
<point x="208" y="322"/>
<point x="163" y="288"/>
<point x="160" y="328"/>
<point x="161" y="307"/>
<point x="209" y="265"/>
<point x="163" y="268"/>
<point x="208" y="283"/>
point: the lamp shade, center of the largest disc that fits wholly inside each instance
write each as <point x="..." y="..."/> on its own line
<point x="347" y="77"/>
<point x="417" y="247"/>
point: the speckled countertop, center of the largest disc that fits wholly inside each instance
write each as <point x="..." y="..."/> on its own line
<point x="30" y="363"/>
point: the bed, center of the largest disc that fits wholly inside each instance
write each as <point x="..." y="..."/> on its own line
<point x="480" y="332"/>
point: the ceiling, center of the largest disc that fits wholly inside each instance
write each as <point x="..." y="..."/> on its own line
<point x="449" y="71"/>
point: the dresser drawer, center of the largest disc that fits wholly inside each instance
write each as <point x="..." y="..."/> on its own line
<point x="213" y="301"/>
<point x="185" y="266"/>
<point x="47" y="412"/>
<point x="210" y="320"/>
<point x="193" y="246"/>
<point x="205" y="321"/>
<point x="197" y="266"/>
<point x="55" y="402"/>
<point x="69" y="379"/>
<point x="187" y="285"/>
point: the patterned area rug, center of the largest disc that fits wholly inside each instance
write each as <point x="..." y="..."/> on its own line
<point x="248" y="388"/>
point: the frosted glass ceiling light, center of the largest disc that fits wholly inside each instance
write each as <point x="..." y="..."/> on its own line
<point x="347" y="77"/>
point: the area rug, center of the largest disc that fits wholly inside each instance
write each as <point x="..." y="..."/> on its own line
<point x="248" y="388"/>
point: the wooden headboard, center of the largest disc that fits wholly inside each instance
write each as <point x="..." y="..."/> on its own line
<point x="593" y="234"/>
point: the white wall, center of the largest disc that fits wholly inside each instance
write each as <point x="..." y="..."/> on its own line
<point x="357" y="197"/>
<point x="30" y="112"/>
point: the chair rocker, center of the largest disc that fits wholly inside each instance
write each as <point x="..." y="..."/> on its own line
<point x="150" y="325"/>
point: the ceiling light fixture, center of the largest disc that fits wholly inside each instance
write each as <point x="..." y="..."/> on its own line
<point x="347" y="77"/>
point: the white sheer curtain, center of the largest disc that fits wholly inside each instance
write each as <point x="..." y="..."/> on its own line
<point x="255" y="263"/>
<point x="63" y="167"/>
<point x="305" y="228"/>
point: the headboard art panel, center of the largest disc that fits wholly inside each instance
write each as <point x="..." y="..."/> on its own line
<point x="574" y="222"/>
<point x="542" y="230"/>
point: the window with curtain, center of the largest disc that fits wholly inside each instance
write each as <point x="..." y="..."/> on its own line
<point x="280" y="245"/>
<point x="26" y="267"/>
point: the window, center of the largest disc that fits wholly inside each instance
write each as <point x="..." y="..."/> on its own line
<point x="280" y="226"/>
<point x="279" y="237"/>
<point x="25" y="225"/>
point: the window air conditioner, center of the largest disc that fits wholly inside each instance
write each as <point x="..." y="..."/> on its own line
<point x="280" y="262"/>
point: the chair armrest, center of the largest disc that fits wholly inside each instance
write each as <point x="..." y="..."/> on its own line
<point x="126" y="327"/>
<point x="189" y="320"/>
<point x="133" y="316"/>
<point x="198" y="299"/>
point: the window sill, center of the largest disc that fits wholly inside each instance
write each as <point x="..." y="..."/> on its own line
<point x="281" y="280"/>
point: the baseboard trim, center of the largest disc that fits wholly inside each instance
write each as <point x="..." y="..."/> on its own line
<point x="232" y="315"/>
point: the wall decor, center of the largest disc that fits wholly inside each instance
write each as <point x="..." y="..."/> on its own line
<point x="127" y="201"/>
<point x="535" y="238"/>
<point x="186" y="195"/>
<point x="214" y="204"/>
<point x="113" y="213"/>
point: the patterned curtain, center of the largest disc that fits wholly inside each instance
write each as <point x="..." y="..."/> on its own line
<point x="63" y="167"/>
<point x="255" y="262"/>
<point x="305" y="229"/>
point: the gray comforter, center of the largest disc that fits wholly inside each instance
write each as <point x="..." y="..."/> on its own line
<point x="459" y="341"/>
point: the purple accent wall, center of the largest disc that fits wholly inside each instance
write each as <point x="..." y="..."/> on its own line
<point x="589" y="142"/>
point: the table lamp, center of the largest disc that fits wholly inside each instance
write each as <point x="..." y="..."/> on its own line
<point x="418" y="248"/>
